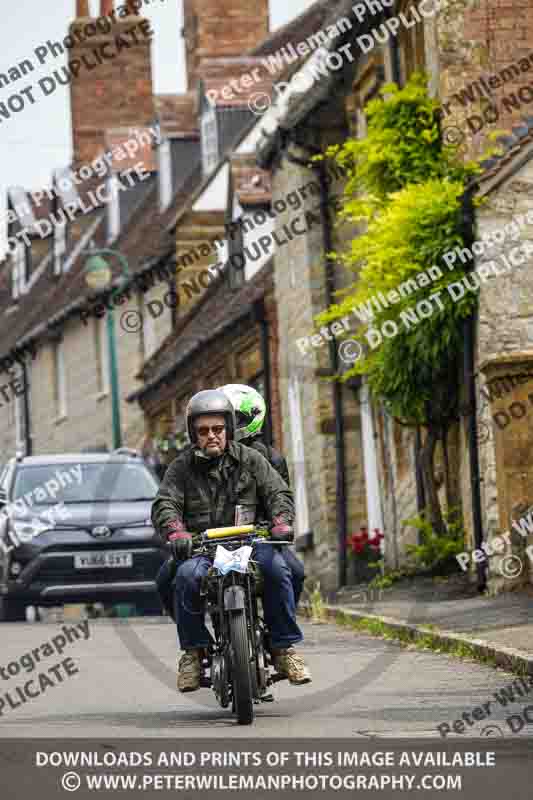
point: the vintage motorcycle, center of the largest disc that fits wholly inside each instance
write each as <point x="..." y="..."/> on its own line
<point x="237" y="664"/>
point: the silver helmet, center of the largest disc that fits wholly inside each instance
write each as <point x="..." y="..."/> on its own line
<point x="210" y="401"/>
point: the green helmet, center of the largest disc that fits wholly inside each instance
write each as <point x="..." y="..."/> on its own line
<point x="250" y="409"/>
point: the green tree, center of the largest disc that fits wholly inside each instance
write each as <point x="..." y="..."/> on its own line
<point x="405" y="188"/>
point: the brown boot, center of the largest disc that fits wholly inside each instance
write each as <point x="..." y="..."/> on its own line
<point x="291" y="665"/>
<point x="189" y="671"/>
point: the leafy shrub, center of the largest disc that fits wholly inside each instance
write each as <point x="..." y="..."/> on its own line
<point x="436" y="551"/>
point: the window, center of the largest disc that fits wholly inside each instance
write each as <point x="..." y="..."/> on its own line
<point x="182" y="436"/>
<point x="148" y="336"/>
<point x="102" y="384"/>
<point x="60" y="247"/>
<point x="59" y="381"/>
<point x="18" y="405"/>
<point x="89" y="482"/>
<point x="249" y="362"/>
<point x="19" y="270"/>
<point x="411" y="47"/>
<point x="298" y="457"/>
<point x="165" y="176"/>
<point x="209" y="139"/>
<point x="11" y="410"/>
<point x="113" y="209"/>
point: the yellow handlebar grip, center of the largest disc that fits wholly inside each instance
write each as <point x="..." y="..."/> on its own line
<point x="220" y="533"/>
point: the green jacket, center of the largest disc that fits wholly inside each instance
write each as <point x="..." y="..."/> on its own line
<point x="203" y="495"/>
<point x="273" y="456"/>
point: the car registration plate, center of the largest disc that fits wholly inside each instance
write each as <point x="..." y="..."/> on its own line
<point x="109" y="558"/>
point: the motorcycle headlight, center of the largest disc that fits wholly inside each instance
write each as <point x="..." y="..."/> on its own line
<point x="27" y="530"/>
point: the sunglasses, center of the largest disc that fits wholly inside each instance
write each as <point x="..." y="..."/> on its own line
<point x="218" y="430"/>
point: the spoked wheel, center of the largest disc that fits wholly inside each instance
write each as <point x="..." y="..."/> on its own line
<point x="240" y="669"/>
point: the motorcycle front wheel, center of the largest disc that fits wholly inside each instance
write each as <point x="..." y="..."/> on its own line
<point x="240" y="669"/>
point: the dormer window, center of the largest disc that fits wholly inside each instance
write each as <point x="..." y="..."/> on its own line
<point x="209" y="139"/>
<point x="19" y="270"/>
<point x="60" y="247"/>
<point x="113" y="209"/>
<point x="165" y="175"/>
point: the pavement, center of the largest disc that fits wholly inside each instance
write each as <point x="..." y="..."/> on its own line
<point x="500" y="626"/>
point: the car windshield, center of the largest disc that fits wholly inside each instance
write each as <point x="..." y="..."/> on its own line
<point x="48" y="484"/>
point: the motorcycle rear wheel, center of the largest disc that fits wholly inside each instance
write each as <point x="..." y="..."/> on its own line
<point x="240" y="668"/>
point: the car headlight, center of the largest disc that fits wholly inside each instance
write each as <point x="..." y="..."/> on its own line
<point x="26" y="531"/>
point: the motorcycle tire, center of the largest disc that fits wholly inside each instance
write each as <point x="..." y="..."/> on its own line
<point x="240" y="668"/>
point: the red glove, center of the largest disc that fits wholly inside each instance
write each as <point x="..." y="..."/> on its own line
<point x="283" y="532"/>
<point x="179" y="541"/>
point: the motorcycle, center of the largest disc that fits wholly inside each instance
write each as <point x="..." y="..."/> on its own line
<point x="237" y="664"/>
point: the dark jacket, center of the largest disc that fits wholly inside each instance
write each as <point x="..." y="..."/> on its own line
<point x="203" y="494"/>
<point x="273" y="456"/>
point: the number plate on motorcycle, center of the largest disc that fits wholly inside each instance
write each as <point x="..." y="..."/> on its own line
<point x="237" y="560"/>
<point x="109" y="558"/>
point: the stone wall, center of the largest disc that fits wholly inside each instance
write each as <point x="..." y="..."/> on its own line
<point x="505" y="359"/>
<point x="484" y="51"/>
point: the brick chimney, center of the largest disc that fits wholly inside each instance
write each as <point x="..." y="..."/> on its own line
<point x="111" y="85"/>
<point x="221" y="29"/>
<point x="82" y="9"/>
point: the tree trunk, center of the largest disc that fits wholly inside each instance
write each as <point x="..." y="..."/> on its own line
<point x="427" y="454"/>
<point x="446" y="462"/>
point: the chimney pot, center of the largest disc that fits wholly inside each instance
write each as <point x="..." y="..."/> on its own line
<point x="106" y="7"/>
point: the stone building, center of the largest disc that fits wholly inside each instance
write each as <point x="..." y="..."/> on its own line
<point x="226" y="325"/>
<point x="226" y="230"/>
<point x="358" y="464"/>
<point x="47" y="305"/>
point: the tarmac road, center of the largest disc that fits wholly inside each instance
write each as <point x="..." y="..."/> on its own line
<point x="121" y="683"/>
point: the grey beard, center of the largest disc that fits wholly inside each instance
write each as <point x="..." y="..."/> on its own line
<point x="199" y="453"/>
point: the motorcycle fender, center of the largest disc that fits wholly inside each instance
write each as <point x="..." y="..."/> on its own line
<point x="234" y="599"/>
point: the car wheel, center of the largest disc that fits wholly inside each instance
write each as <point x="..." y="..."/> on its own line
<point x="12" y="610"/>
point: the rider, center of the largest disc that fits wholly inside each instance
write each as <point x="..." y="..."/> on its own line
<point x="200" y="490"/>
<point x="250" y="413"/>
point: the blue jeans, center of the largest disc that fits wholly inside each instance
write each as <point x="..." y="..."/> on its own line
<point x="165" y="580"/>
<point x="278" y="600"/>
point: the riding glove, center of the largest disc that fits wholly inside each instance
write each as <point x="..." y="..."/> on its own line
<point x="284" y="533"/>
<point x="179" y="541"/>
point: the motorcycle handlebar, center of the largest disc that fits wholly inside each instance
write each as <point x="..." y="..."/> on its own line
<point x="209" y="545"/>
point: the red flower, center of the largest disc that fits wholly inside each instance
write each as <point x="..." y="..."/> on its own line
<point x="376" y="539"/>
<point x="358" y="541"/>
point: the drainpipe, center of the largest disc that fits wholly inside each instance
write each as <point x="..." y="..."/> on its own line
<point x="26" y="400"/>
<point x="341" y="510"/>
<point x="420" y="493"/>
<point x="470" y="383"/>
<point x="338" y="412"/>
<point x="261" y="318"/>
